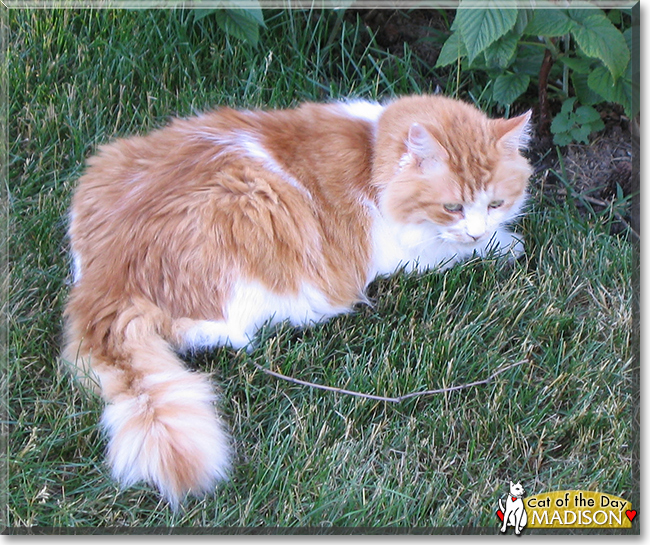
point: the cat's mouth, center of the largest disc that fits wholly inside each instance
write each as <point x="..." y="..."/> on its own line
<point x="464" y="239"/>
<point x="470" y="240"/>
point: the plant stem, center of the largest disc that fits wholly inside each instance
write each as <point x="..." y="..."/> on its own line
<point x="544" y="115"/>
<point x="565" y="72"/>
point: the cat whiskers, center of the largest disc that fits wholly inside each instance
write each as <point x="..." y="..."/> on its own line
<point x="436" y="237"/>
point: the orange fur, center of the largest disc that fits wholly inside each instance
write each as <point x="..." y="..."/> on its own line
<point x="172" y="227"/>
<point x="476" y="157"/>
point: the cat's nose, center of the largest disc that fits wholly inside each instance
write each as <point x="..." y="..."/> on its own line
<point x="475" y="227"/>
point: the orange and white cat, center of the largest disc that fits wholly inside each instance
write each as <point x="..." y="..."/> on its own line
<point x="199" y="233"/>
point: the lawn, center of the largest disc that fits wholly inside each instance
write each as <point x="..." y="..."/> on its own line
<point x="561" y="420"/>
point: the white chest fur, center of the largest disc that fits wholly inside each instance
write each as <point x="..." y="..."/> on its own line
<point x="414" y="247"/>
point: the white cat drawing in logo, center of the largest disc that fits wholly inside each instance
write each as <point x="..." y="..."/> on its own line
<point x="513" y="513"/>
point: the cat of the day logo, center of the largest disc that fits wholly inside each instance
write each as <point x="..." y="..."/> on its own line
<point x="563" y="509"/>
<point x="513" y="512"/>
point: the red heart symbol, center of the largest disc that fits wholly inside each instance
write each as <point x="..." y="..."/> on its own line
<point x="500" y="515"/>
<point x="514" y="499"/>
<point x="630" y="514"/>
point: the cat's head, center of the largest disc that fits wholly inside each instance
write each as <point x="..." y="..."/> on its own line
<point x="516" y="489"/>
<point x="452" y="166"/>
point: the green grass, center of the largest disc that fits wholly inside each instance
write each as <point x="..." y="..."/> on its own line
<point x="562" y="420"/>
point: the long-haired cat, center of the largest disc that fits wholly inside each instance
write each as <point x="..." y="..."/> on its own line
<point x="199" y="233"/>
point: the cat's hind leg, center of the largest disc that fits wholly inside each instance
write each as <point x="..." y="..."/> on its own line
<point x="198" y="334"/>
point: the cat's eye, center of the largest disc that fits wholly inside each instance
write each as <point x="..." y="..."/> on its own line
<point x="496" y="204"/>
<point x="455" y="207"/>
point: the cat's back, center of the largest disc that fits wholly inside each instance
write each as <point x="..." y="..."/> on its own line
<point x="170" y="159"/>
<point x="273" y="196"/>
<point x="314" y="148"/>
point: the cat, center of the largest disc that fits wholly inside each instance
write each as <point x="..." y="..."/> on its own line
<point x="200" y="232"/>
<point x="514" y="511"/>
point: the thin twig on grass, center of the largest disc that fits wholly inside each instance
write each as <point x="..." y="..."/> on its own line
<point x="382" y="398"/>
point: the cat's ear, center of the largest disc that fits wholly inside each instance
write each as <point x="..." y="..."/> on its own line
<point x="422" y="145"/>
<point x="514" y="133"/>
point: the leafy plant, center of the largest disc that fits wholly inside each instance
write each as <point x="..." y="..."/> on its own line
<point x="570" y="125"/>
<point x="242" y="23"/>
<point x="516" y="46"/>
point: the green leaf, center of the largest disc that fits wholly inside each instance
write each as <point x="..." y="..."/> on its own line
<point x="567" y="105"/>
<point x="253" y="9"/>
<point x="240" y="23"/>
<point x="201" y="13"/>
<point x="523" y="18"/>
<point x="528" y="60"/>
<point x="599" y="38"/>
<point x="452" y="50"/>
<point x="614" y="16"/>
<point x="632" y="74"/>
<point x="584" y="93"/>
<point x="562" y="139"/>
<point x="549" y="23"/>
<point x="508" y="87"/>
<point x="619" y="91"/>
<point x="598" y="125"/>
<point x="628" y="38"/>
<point x="256" y="12"/>
<point x="481" y="27"/>
<point x="561" y="124"/>
<point x="501" y="52"/>
<point x="587" y="114"/>
<point x="581" y="134"/>
<point x="577" y="64"/>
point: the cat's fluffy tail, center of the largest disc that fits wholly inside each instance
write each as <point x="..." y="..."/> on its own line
<point x="159" y="417"/>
